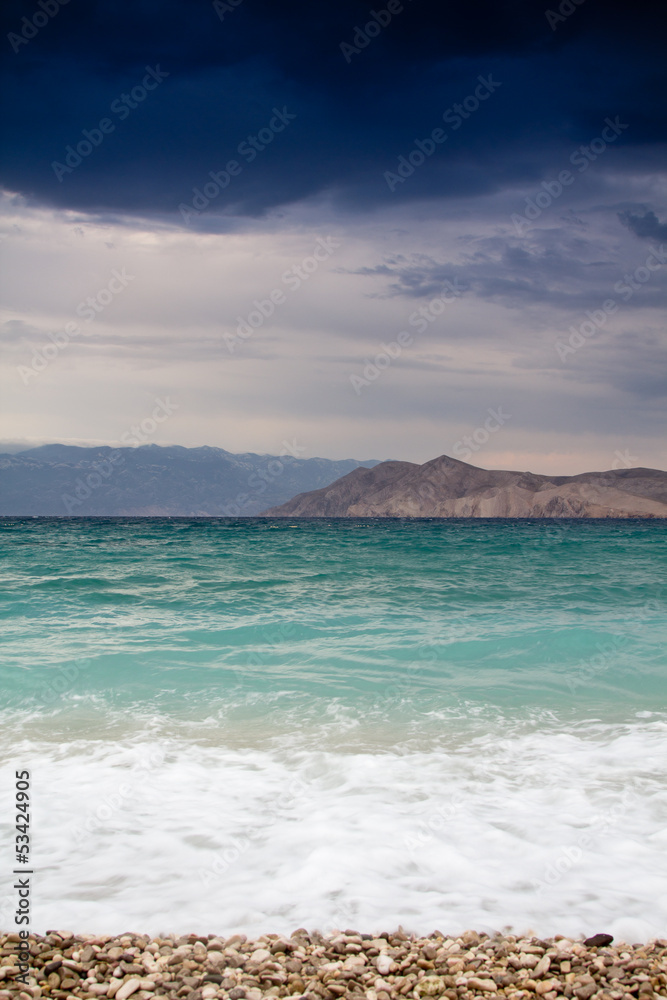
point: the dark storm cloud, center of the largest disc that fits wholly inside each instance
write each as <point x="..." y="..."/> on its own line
<point x="646" y="226"/>
<point x="353" y="119"/>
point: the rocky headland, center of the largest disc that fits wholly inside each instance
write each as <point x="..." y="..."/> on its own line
<point x="446" y="487"/>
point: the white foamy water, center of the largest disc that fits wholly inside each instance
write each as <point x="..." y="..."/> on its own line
<point x="552" y="830"/>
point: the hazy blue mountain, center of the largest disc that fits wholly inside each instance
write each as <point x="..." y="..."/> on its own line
<point x="61" y="480"/>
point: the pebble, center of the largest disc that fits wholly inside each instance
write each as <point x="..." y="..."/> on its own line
<point x="598" y="940"/>
<point x="260" y="955"/>
<point x="542" y="966"/>
<point x="128" y="988"/>
<point x="431" y="986"/>
<point x="487" y="985"/>
<point x="384" y="964"/>
<point x="343" y="966"/>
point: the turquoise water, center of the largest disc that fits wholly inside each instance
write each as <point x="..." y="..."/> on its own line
<point x="319" y="698"/>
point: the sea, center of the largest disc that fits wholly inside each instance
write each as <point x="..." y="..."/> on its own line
<point x="254" y="725"/>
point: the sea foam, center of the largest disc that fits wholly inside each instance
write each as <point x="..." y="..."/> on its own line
<point x="558" y="832"/>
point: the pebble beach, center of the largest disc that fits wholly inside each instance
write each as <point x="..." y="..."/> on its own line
<point x="350" y="965"/>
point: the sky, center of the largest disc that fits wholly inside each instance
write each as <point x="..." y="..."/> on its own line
<point x="392" y="232"/>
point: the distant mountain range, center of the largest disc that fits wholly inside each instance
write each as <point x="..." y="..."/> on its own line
<point x="446" y="487"/>
<point x="61" y="480"/>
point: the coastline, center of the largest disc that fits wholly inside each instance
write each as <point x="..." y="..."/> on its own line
<point x="344" y="964"/>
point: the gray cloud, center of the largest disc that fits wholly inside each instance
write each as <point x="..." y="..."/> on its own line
<point x="646" y="226"/>
<point x="556" y="268"/>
